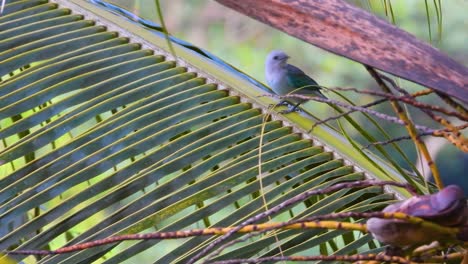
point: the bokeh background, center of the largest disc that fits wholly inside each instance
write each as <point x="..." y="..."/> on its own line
<point x="244" y="43"/>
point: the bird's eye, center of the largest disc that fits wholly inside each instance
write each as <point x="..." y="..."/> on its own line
<point x="275" y="57"/>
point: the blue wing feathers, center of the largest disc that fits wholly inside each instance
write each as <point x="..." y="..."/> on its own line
<point x="297" y="79"/>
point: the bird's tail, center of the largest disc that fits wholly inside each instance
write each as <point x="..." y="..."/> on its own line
<point x="320" y="94"/>
<point x="317" y="93"/>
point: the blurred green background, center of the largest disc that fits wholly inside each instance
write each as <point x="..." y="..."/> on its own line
<point x="244" y="43"/>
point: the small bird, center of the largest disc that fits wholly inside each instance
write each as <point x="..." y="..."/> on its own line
<point x="285" y="79"/>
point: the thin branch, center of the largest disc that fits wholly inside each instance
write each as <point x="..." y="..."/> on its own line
<point x="335" y="102"/>
<point x="417" y="94"/>
<point x="409" y="126"/>
<point x="447" y="99"/>
<point x="456" y="138"/>
<point x="340" y="258"/>
<point x="435" y="133"/>
<point x="460" y="108"/>
<point x="392" y="82"/>
<point x="422" y="93"/>
<point x="347" y="113"/>
<point x="409" y="100"/>
<point x="352" y="107"/>
<point x="393" y="140"/>
<point x="298" y="198"/>
<point x="430" y="227"/>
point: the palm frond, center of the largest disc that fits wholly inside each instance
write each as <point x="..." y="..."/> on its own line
<point x="104" y="133"/>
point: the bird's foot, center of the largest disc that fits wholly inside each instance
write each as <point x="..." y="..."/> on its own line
<point x="290" y="110"/>
<point x="279" y="104"/>
<point x="285" y="111"/>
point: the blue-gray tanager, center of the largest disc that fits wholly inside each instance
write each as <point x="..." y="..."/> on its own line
<point x="285" y="79"/>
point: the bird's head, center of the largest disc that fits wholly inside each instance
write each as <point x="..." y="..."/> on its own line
<point x="277" y="58"/>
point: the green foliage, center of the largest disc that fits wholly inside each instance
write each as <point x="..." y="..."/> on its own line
<point x="102" y="137"/>
<point x="105" y="138"/>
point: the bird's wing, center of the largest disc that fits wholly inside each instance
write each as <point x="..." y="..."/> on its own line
<point x="298" y="79"/>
